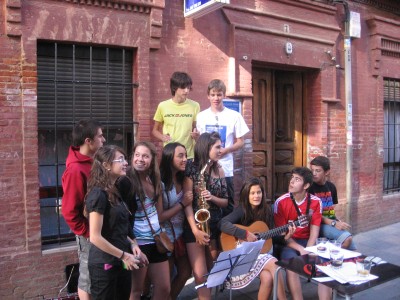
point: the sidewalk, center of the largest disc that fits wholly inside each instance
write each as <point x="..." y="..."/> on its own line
<point x="383" y="242"/>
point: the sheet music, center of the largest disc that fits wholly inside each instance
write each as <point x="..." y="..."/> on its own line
<point x="241" y="259"/>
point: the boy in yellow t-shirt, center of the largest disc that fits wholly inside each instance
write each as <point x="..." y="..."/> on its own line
<point x="175" y="118"/>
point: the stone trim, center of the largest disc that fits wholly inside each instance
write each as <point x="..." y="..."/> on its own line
<point x="13" y="18"/>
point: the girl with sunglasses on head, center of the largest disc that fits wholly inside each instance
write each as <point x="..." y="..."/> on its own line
<point x="114" y="251"/>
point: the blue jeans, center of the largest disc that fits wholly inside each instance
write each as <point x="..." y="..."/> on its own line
<point x="332" y="233"/>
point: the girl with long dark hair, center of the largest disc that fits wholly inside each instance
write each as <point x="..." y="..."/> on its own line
<point x="254" y="207"/>
<point x="172" y="169"/>
<point x="146" y="180"/>
<point x="211" y="188"/>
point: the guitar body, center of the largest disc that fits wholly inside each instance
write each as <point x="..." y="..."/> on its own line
<point x="229" y="242"/>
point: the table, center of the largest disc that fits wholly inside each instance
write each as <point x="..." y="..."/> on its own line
<point x="305" y="266"/>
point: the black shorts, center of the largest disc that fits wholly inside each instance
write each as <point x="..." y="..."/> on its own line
<point x="189" y="237"/>
<point x="152" y="253"/>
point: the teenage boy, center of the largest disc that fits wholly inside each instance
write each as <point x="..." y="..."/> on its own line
<point x="231" y="127"/>
<point x="331" y="227"/>
<point x="175" y="119"/>
<point x="287" y="208"/>
<point x="87" y="137"/>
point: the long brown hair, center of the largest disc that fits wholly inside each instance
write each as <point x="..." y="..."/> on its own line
<point x="202" y="150"/>
<point x="153" y="173"/>
<point x="100" y="176"/>
<point x="262" y="212"/>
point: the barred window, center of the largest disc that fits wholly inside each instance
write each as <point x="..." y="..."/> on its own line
<point x="391" y="163"/>
<point x="77" y="82"/>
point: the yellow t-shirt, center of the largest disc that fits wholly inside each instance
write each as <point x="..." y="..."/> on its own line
<point x="177" y="120"/>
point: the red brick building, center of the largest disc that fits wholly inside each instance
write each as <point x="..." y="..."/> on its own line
<point x="62" y="60"/>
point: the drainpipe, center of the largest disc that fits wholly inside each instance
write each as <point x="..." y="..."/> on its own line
<point x="349" y="110"/>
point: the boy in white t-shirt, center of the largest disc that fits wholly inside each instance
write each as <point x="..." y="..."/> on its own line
<point x="231" y="127"/>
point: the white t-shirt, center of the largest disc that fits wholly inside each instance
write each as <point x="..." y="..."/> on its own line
<point x="229" y="124"/>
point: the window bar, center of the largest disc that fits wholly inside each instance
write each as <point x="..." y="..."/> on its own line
<point x="73" y="84"/>
<point x="124" y="142"/>
<point x="57" y="195"/>
<point x="90" y="79"/>
<point x="108" y="88"/>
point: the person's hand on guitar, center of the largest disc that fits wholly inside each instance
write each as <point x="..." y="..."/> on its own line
<point x="291" y="230"/>
<point x="251" y="237"/>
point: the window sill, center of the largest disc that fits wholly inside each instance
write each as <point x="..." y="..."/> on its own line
<point x="56" y="248"/>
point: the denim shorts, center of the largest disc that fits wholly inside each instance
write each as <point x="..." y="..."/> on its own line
<point x="332" y="233"/>
<point x="83" y="254"/>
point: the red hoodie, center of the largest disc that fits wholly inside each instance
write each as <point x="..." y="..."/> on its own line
<point x="74" y="183"/>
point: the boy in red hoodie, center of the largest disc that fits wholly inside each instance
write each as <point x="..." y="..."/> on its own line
<point x="87" y="137"/>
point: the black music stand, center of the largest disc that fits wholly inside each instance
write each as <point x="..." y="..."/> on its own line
<point x="232" y="263"/>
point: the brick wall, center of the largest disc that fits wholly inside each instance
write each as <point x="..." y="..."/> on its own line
<point x="165" y="42"/>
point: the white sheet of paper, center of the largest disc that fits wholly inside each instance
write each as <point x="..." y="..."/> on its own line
<point x="346" y="274"/>
<point x="347" y="253"/>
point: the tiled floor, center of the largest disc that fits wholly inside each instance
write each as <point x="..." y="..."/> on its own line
<point x="383" y="242"/>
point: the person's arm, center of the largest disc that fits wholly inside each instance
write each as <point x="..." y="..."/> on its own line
<point x="167" y="214"/>
<point x="314" y="233"/>
<point x="227" y="226"/>
<point x="157" y="132"/>
<point x="239" y="142"/>
<point x="74" y="183"/>
<point x="220" y="202"/>
<point x="95" y="225"/>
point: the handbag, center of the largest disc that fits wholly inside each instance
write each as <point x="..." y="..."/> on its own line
<point x="163" y="243"/>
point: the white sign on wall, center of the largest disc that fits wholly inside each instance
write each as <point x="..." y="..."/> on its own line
<point x="197" y="8"/>
<point x="355" y="24"/>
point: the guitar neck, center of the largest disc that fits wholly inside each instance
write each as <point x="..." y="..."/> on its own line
<point x="275" y="232"/>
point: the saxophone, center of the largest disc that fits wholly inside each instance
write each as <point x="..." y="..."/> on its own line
<point x="202" y="215"/>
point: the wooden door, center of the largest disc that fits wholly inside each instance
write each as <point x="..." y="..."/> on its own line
<point x="277" y="127"/>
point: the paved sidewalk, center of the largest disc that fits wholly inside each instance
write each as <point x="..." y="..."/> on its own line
<point x="383" y="242"/>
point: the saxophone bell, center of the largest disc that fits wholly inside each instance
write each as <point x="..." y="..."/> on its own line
<point x="202" y="216"/>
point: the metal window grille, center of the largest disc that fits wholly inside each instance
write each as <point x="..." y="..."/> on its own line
<point x="391" y="163"/>
<point x="77" y="82"/>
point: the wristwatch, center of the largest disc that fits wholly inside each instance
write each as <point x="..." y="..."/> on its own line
<point x="333" y="223"/>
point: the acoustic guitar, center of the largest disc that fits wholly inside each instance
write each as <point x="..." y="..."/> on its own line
<point x="261" y="230"/>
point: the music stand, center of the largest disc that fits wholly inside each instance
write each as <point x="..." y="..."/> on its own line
<point x="232" y="263"/>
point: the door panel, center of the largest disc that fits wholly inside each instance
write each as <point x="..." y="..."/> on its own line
<point x="262" y="123"/>
<point x="277" y="127"/>
<point x="288" y="148"/>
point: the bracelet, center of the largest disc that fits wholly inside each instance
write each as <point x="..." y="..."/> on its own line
<point x="183" y="206"/>
<point x="123" y="253"/>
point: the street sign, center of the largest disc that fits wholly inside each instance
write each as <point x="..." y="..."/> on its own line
<point x="197" y="8"/>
